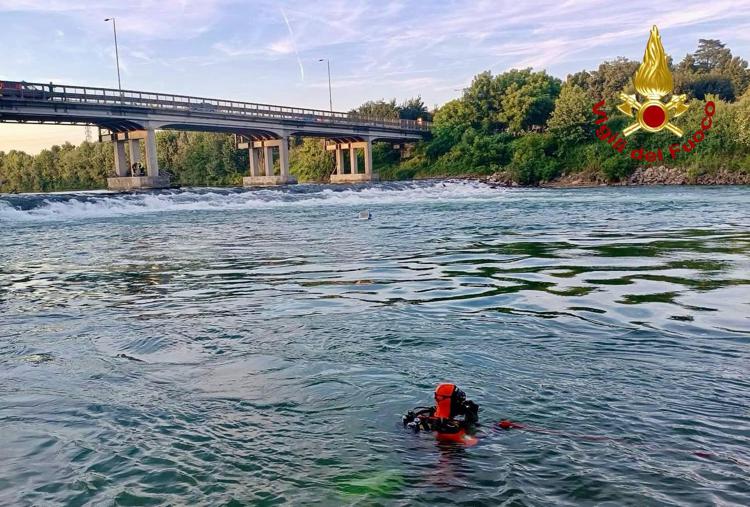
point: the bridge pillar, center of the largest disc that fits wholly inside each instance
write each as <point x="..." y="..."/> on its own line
<point x="134" y="148"/>
<point x="354" y="176"/>
<point x="121" y="165"/>
<point x="368" y="159"/>
<point x="267" y="147"/>
<point x="152" y="163"/>
<point x="284" y="158"/>
<point x="125" y="179"/>
<point x="268" y="160"/>
<point x="254" y="162"/>
<point x="353" y="160"/>
<point x="339" y="160"/>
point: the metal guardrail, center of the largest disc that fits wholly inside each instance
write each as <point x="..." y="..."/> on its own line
<point x="183" y="103"/>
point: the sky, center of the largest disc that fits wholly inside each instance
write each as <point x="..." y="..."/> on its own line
<point x="268" y="51"/>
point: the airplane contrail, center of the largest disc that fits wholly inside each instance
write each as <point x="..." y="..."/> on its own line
<point x="294" y="44"/>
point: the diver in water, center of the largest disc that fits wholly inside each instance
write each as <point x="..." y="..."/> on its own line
<point x="451" y="417"/>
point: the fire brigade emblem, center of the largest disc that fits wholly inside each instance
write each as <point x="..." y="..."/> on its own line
<point x="653" y="81"/>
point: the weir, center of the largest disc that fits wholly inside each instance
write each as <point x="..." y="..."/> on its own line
<point x="127" y="117"/>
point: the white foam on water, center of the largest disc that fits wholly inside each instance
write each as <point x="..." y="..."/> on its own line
<point x="99" y="205"/>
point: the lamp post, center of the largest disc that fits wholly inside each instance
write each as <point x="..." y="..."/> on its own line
<point x="117" y="52"/>
<point x="330" y="93"/>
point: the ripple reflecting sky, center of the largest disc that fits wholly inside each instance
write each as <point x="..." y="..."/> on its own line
<point x="209" y="346"/>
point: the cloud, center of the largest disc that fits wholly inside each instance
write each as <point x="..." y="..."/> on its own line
<point x="393" y="44"/>
<point x="283" y="46"/>
<point x="292" y="43"/>
<point x="151" y="19"/>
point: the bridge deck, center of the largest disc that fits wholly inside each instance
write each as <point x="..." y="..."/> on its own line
<point x="52" y="96"/>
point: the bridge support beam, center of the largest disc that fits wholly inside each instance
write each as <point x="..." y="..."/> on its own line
<point x="267" y="149"/>
<point x="130" y="177"/>
<point x="254" y="162"/>
<point x="134" y="149"/>
<point x="152" y="163"/>
<point x="121" y="165"/>
<point x="353" y="176"/>
<point x="339" y="160"/>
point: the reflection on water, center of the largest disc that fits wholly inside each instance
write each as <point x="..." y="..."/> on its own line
<point x="208" y="346"/>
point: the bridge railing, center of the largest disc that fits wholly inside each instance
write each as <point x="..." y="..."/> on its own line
<point x="183" y="103"/>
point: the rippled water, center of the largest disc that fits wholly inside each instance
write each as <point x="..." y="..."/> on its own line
<point x="278" y="339"/>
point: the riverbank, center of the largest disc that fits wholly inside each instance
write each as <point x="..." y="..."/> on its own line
<point x="643" y="176"/>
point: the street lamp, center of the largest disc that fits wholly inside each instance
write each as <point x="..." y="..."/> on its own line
<point x="117" y="52"/>
<point x="330" y="94"/>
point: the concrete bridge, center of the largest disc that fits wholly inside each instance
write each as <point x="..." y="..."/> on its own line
<point x="128" y="117"/>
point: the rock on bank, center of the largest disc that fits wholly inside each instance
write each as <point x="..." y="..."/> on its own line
<point x="658" y="175"/>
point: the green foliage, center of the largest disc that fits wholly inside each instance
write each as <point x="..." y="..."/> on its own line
<point x="534" y="159"/>
<point x="571" y="119"/>
<point x="383" y="154"/>
<point x="712" y="70"/>
<point x="309" y="161"/>
<point x="378" y="109"/>
<point x="515" y="101"/>
<point x="528" y="100"/>
<point x="413" y="109"/>
<point x="740" y="118"/>
<point x="492" y="127"/>
<point x="616" y="167"/>
<point x="608" y="80"/>
<point x="65" y="167"/>
<point x="449" y="125"/>
<point x="708" y="84"/>
<point x="711" y="55"/>
<point x="201" y="158"/>
<point x="410" y="109"/>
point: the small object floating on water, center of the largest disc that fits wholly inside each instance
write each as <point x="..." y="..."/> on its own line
<point x="507" y="425"/>
<point x="44" y="357"/>
<point x="130" y="358"/>
<point x="365" y="215"/>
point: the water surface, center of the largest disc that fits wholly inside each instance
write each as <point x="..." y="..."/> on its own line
<point x="258" y="347"/>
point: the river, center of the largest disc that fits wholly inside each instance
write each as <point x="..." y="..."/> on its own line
<point x="214" y="346"/>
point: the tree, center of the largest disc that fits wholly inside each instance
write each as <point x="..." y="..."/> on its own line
<point x="580" y="79"/>
<point x="413" y="109"/>
<point x="705" y="84"/>
<point x="528" y="100"/>
<point x="516" y="100"/>
<point x="533" y="159"/>
<point x="571" y="115"/>
<point x="740" y="118"/>
<point x="611" y="78"/>
<point x="711" y="55"/>
<point x="381" y="109"/>
<point x="712" y="69"/>
<point x="482" y="102"/>
<point x="449" y="124"/>
<point x="310" y="161"/>
<point x="736" y="71"/>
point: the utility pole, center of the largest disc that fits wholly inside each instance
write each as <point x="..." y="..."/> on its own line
<point x="117" y="52"/>
<point x="330" y="93"/>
